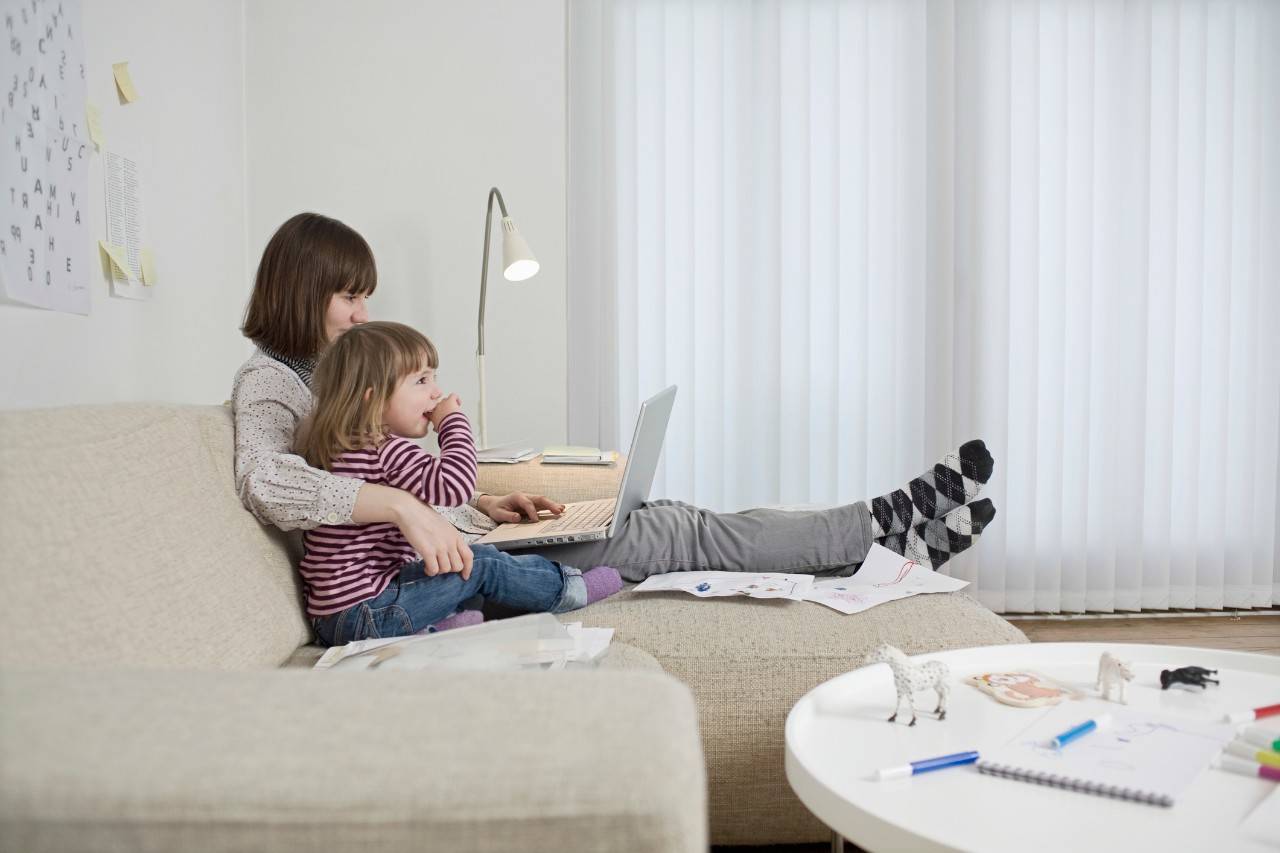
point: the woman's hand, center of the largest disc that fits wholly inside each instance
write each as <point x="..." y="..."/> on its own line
<point x="441" y="546"/>
<point x="517" y="506"/>
<point x="438" y="542"/>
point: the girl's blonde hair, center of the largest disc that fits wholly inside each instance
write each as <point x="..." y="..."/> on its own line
<point x="353" y="381"/>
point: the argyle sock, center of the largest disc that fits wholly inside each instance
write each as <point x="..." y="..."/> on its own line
<point x="932" y="543"/>
<point x="954" y="481"/>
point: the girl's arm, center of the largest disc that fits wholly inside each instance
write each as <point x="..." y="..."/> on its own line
<point x="447" y="480"/>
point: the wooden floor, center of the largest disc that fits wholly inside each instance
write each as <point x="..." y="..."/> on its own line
<point x="1239" y="633"/>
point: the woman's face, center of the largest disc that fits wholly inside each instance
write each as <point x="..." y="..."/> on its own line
<point x="345" y="310"/>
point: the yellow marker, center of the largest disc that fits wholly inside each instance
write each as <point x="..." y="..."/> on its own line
<point x="95" y="124"/>
<point x="116" y="254"/>
<point x="1240" y="749"/>
<point x="148" y="261"/>
<point x="124" y="82"/>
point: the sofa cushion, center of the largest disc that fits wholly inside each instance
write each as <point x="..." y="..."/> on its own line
<point x="124" y="541"/>
<point x="369" y="761"/>
<point x="749" y="660"/>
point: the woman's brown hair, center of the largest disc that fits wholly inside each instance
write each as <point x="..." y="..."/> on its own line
<point x="353" y="381"/>
<point x="309" y="259"/>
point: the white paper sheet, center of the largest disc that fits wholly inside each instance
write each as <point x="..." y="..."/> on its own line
<point x="1263" y="823"/>
<point x="884" y="576"/>
<point x="714" y="584"/>
<point x="124" y="223"/>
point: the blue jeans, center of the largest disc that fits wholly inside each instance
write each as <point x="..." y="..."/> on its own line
<point x="412" y="600"/>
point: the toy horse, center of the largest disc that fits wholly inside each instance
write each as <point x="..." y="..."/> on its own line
<point x="910" y="677"/>
<point x="1113" y="673"/>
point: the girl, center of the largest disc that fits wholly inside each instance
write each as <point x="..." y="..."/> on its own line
<point x="311" y="287"/>
<point x="375" y="389"/>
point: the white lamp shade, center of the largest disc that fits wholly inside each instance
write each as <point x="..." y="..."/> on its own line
<point x="518" y="262"/>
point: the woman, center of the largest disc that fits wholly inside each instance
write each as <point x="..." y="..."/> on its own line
<point x="312" y="285"/>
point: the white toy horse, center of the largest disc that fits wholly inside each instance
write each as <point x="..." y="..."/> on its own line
<point x="910" y="677"/>
<point x="1112" y="672"/>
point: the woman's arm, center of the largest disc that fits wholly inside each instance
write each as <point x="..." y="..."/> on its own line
<point x="437" y="541"/>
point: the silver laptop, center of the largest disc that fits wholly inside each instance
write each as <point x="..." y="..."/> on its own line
<point x="587" y="521"/>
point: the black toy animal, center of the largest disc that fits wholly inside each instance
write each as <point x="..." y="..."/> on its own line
<point x="1197" y="676"/>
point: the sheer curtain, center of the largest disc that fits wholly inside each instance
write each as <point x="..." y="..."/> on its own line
<point x="859" y="233"/>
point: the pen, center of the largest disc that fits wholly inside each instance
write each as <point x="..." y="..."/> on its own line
<point x="924" y="765"/>
<point x="1260" y="737"/>
<point x="1099" y="722"/>
<point x="1246" y="768"/>
<point x="1251" y="752"/>
<point x="1255" y="714"/>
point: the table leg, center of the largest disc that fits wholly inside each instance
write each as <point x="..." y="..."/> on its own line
<point x="837" y="843"/>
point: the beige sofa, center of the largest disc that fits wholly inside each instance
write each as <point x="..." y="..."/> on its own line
<point x="155" y="693"/>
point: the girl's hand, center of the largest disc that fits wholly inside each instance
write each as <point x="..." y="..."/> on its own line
<point x="518" y="506"/>
<point x="443" y="409"/>
<point x="441" y="546"/>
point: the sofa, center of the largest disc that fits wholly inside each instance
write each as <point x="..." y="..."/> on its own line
<point x="156" y="689"/>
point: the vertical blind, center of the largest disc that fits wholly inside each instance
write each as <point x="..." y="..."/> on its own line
<point x="859" y="233"/>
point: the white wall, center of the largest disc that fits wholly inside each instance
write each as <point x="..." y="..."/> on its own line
<point x="396" y="117"/>
<point x="187" y="131"/>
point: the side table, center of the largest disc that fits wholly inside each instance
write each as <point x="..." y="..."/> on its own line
<point x="563" y="483"/>
<point x="837" y="737"/>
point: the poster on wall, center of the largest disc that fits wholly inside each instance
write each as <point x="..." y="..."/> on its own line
<point x="44" y="169"/>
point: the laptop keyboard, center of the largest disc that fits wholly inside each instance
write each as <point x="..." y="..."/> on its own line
<point x="584" y="516"/>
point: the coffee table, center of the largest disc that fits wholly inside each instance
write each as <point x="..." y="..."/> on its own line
<point x="837" y="737"/>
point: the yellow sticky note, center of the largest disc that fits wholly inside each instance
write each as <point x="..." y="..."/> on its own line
<point x="124" y="82"/>
<point x="95" y="124"/>
<point x="148" y="259"/>
<point x="116" y="254"/>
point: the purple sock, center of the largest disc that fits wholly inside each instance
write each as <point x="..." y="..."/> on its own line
<point x="461" y="619"/>
<point x="602" y="582"/>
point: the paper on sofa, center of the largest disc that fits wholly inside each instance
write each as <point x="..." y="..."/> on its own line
<point x="714" y="584"/>
<point x="884" y="576"/>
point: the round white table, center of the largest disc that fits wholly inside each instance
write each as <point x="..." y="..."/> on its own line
<point x="837" y="737"/>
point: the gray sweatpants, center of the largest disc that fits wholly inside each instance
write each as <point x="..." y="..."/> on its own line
<point x="669" y="536"/>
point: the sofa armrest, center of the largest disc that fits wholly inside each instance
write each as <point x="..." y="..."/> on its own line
<point x="300" y="760"/>
<point x="564" y="483"/>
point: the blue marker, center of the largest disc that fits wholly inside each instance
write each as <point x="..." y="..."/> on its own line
<point x="927" y="764"/>
<point x="1099" y="722"/>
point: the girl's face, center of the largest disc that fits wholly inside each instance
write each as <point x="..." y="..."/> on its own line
<point x="345" y="310"/>
<point x="412" y="400"/>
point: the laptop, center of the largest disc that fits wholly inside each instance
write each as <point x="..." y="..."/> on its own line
<point x="588" y="521"/>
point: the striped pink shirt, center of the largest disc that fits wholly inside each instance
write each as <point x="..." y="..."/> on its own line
<point x="346" y="564"/>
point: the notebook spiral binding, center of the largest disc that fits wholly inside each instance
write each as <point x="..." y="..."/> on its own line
<point x="1053" y="780"/>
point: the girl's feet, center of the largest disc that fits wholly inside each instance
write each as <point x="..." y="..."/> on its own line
<point x="955" y="480"/>
<point x="602" y="582"/>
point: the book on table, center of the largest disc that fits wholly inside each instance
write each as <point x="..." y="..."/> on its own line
<point x="565" y="454"/>
<point x="508" y="454"/>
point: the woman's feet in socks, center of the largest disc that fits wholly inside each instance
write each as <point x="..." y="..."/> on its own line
<point x="932" y="543"/>
<point x="955" y="480"/>
<point x="602" y="582"/>
<point x="461" y="619"/>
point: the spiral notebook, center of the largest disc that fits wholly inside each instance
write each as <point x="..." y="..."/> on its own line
<point x="1143" y="756"/>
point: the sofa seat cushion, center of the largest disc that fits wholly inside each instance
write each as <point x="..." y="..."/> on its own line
<point x="304" y="761"/>
<point x="749" y="660"/>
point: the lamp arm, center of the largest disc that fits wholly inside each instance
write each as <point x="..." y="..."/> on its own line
<point x="484" y="267"/>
